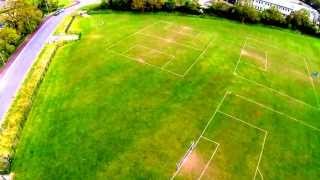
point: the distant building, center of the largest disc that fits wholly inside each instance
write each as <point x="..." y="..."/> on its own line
<point x="286" y="7"/>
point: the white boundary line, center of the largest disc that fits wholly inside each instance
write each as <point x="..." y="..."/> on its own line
<point x="260" y="174"/>
<point x="137" y="60"/>
<point x="240" y="55"/>
<point x="278" y="112"/>
<point x="263" y="43"/>
<point x="170" y="41"/>
<point x="255" y="127"/>
<point x="110" y="45"/>
<point x="212" y="39"/>
<point x="278" y="92"/>
<point x="208" y="163"/>
<point x="312" y="82"/>
<point x="271" y="89"/>
<point x="204" y="130"/>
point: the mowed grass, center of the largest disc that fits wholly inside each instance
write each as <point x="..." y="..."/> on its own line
<point x="127" y="100"/>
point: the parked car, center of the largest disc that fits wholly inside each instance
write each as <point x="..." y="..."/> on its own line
<point x="59" y="11"/>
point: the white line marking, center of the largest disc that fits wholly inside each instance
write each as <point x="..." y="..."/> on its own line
<point x="249" y="124"/>
<point x="207" y="125"/>
<point x="273" y="47"/>
<point x="260" y="174"/>
<point x="312" y="82"/>
<point x="208" y="163"/>
<point x="208" y="139"/>
<point x="127" y="37"/>
<point x="278" y="92"/>
<point x="281" y="113"/>
<point x="255" y="127"/>
<point x="143" y="62"/>
<point x="199" y="57"/>
<point x="170" y="41"/>
<point x="260" y="156"/>
<point x="238" y="62"/>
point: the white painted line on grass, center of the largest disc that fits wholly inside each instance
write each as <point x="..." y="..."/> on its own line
<point x="127" y="37"/>
<point x="143" y="62"/>
<point x="208" y="163"/>
<point x="199" y="57"/>
<point x="204" y="130"/>
<point x="170" y="41"/>
<point x="260" y="156"/>
<point x="279" y="112"/>
<point x="278" y="92"/>
<point x="240" y="55"/>
<point x="312" y="82"/>
<point x="255" y="127"/>
<point x="208" y="139"/>
<point x="249" y="124"/>
<point x="261" y="175"/>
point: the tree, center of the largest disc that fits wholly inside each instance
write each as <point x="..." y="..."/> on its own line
<point x="273" y="17"/>
<point x="245" y="13"/>
<point x="138" y="5"/>
<point x="48" y="6"/>
<point x="300" y="20"/>
<point x="23" y="17"/>
<point x="9" y="39"/>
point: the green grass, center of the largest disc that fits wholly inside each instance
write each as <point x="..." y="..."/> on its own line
<point x="102" y="111"/>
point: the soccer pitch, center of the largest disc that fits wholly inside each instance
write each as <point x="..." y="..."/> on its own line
<point x="163" y="96"/>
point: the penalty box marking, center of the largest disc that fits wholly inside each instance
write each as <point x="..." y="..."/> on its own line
<point x="272" y="89"/>
<point x="143" y="62"/>
<point x="206" y="127"/>
<point x="163" y="67"/>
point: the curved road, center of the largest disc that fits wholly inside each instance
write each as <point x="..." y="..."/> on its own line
<point x="12" y="77"/>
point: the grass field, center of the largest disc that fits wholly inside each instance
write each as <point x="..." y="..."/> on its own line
<point x="163" y="96"/>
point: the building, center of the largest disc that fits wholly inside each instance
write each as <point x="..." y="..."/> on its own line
<point x="286" y="7"/>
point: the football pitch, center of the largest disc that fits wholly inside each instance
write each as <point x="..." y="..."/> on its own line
<point x="160" y="96"/>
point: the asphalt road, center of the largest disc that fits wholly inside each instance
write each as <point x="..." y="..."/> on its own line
<point x="12" y="78"/>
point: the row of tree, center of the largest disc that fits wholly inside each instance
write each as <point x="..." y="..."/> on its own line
<point x="297" y="20"/>
<point x="19" y="19"/>
<point x="244" y="13"/>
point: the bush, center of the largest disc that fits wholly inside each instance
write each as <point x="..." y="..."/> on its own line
<point x="9" y="40"/>
<point x="245" y="14"/>
<point x="120" y="4"/>
<point x="17" y="115"/>
<point x="220" y="9"/>
<point x="189" y="6"/>
<point x="273" y="17"/>
<point x="169" y="5"/>
<point x="300" y="20"/>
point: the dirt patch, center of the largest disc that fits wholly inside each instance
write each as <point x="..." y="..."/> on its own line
<point x="193" y="166"/>
<point x="258" y="57"/>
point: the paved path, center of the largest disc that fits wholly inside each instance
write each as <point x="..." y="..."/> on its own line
<point x="12" y="78"/>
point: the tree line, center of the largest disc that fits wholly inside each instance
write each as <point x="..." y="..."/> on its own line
<point x="19" y="19"/>
<point x="245" y="13"/>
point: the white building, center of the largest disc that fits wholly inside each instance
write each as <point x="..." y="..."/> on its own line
<point x="286" y="7"/>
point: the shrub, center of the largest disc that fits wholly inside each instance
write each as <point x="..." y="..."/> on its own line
<point x="120" y="4"/>
<point x="273" y="17"/>
<point x="220" y="9"/>
<point x="15" y="118"/>
<point x="189" y="6"/>
<point x="245" y="14"/>
<point x="9" y="39"/>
